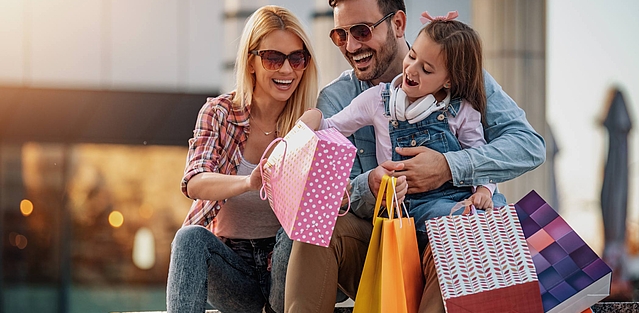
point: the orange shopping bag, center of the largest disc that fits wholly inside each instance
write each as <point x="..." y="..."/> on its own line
<point x="392" y="279"/>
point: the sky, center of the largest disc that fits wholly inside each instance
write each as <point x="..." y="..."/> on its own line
<point x="592" y="46"/>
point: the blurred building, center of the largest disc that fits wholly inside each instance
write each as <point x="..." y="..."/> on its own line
<point x="97" y="101"/>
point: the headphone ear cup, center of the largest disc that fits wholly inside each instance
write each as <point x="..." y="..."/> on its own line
<point x="391" y="104"/>
<point x="399" y="104"/>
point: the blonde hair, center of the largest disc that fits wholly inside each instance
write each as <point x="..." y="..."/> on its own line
<point x="261" y="23"/>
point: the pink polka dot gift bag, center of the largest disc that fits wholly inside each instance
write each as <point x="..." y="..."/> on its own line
<point x="305" y="178"/>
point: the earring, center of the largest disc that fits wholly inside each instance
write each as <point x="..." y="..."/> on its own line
<point x="447" y="85"/>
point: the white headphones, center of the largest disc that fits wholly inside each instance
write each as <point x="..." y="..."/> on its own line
<point x="414" y="112"/>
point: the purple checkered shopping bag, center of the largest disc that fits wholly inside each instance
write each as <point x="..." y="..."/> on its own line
<point x="571" y="276"/>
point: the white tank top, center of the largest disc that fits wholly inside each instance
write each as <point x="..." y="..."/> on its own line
<point x="246" y="216"/>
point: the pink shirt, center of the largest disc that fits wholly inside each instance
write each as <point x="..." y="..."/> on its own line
<point x="368" y="109"/>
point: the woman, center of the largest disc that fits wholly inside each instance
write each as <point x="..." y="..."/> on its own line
<point x="222" y="253"/>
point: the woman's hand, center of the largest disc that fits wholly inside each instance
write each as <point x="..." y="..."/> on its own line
<point x="255" y="179"/>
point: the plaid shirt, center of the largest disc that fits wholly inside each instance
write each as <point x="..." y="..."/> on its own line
<point x="218" y="140"/>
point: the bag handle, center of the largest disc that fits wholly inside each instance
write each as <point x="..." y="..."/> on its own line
<point x="349" y="204"/>
<point x="403" y="209"/>
<point x="263" y="194"/>
<point x="387" y="188"/>
<point x="380" y="196"/>
<point x="469" y="208"/>
<point x="391" y="198"/>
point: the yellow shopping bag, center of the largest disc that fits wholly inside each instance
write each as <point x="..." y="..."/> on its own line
<point x="392" y="279"/>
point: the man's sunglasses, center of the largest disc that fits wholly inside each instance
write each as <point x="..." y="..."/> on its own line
<point x="273" y="60"/>
<point x="361" y="32"/>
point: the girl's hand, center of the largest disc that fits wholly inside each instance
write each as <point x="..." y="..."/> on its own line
<point x="386" y="168"/>
<point x="482" y="199"/>
<point x="312" y="118"/>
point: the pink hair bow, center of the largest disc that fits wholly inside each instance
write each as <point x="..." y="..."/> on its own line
<point x="425" y="18"/>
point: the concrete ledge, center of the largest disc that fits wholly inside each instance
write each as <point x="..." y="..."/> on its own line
<point x="337" y="310"/>
<point x="616" y="307"/>
<point x="602" y="307"/>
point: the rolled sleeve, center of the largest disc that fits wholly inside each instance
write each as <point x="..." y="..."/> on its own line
<point x="461" y="167"/>
<point x="204" y="148"/>
<point x="513" y="148"/>
<point x="362" y="199"/>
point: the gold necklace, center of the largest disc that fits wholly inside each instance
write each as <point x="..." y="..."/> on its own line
<point x="260" y="129"/>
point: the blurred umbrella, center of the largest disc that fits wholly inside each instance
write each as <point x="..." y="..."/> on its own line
<point x="614" y="191"/>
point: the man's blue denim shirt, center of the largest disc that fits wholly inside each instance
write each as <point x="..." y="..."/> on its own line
<point x="513" y="148"/>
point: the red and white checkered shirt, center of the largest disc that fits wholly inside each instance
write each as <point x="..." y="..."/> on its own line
<point x="218" y="141"/>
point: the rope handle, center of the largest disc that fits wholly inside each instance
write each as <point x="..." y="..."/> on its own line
<point x="263" y="194"/>
<point x="469" y="208"/>
<point x="349" y="204"/>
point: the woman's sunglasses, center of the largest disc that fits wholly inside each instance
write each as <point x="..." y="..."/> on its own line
<point x="361" y="32"/>
<point x="274" y="60"/>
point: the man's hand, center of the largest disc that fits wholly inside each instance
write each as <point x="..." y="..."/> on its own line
<point x="425" y="171"/>
<point x="388" y="168"/>
<point x="482" y="199"/>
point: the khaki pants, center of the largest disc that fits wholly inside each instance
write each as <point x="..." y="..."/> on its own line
<point x="314" y="272"/>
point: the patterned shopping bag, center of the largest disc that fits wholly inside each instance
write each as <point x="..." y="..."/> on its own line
<point x="571" y="275"/>
<point x="304" y="180"/>
<point x="483" y="263"/>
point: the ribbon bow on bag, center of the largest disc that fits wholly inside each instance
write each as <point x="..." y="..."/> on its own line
<point x="425" y="18"/>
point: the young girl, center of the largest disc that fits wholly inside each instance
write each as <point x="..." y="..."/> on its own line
<point x="438" y="101"/>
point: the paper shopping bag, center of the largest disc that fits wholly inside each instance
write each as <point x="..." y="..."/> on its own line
<point x="392" y="279"/>
<point x="571" y="275"/>
<point x="304" y="180"/>
<point x="483" y="263"/>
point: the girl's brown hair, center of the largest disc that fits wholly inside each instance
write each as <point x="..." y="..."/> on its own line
<point x="462" y="51"/>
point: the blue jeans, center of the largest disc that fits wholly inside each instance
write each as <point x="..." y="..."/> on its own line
<point x="232" y="275"/>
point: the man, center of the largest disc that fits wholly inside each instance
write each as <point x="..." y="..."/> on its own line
<point x="314" y="273"/>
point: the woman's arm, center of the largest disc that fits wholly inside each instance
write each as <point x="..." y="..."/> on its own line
<point x="206" y="173"/>
<point x="216" y="186"/>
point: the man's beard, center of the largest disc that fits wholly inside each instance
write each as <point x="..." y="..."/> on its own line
<point x="382" y="59"/>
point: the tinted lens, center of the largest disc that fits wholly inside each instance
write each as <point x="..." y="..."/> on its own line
<point x="272" y="60"/>
<point x="338" y="36"/>
<point x="361" y="32"/>
<point x="297" y="60"/>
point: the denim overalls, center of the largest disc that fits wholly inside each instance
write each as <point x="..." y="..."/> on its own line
<point x="432" y="132"/>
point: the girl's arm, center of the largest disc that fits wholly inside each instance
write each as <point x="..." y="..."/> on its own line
<point x="359" y="113"/>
